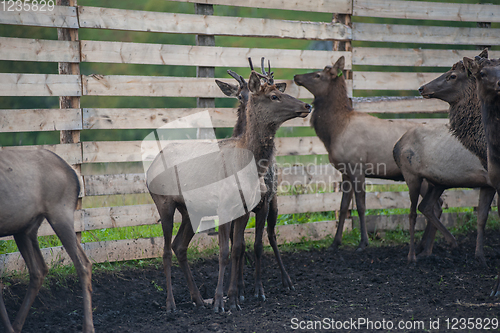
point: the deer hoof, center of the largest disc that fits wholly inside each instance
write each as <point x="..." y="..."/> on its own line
<point x="235" y="307"/>
<point x="260" y="297"/>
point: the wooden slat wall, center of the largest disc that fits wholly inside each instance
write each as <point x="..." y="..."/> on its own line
<point x="88" y="118"/>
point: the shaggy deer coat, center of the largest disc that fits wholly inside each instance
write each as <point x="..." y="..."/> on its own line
<point x="458" y="88"/>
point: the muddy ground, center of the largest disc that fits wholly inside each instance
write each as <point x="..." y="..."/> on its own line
<point x="344" y="287"/>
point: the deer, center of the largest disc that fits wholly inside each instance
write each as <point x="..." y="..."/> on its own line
<point x="268" y="207"/>
<point x="266" y="109"/>
<point x="37" y="185"/>
<point x="357" y="143"/>
<point x="458" y="88"/>
<point x="487" y="74"/>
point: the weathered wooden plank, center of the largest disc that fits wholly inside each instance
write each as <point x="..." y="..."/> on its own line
<point x="162" y="86"/>
<point x="375" y="223"/>
<point x="39" y="85"/>
<point x="143" y="248"/>
<point x="391" y="81"/>
<point x="120" y="19"/>
<point x="412" y="57"/>
<point x="401" y="105"/>
<point x="424" y="34"/>
<point x="213" y="56"/>
<point x="27" y="49"/>
<point x="71" y="152"/>
<point x="299" y="146"/>
<point x="155" y="118"/>
<point x="322" y="6"/>
<point x="130" y="151"/>
<point x="27" y="120"/>
<point x="60" y="17"/>
<point x="133" y="183"/>
<point x="420" y="10"/>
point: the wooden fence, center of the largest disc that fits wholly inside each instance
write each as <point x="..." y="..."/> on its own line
<point x="384" y="45"/>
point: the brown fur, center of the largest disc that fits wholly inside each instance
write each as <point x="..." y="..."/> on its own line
<point x="267" y="109"/>
<point x="354" y="140"/>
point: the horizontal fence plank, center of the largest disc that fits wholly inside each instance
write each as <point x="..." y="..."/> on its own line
<point x="26" y="49"/>
<point x="412" y="57"/>
<point x="391" y="81"/>
<point x="70" y="152"/>
<point x="143" y="248"/>
<point x="162" y="86"/>
<point x="398" y="33"/>
<point x="134" y="183"/>
<point x="130" y="151"/>
<point x="40" y="85"/>
<point x="27" y="120"/>
<point x="155" y="118"/>
<point x="323" y="6"/>
<point x="121" y="19"/>
<point x="213" y="56"/>
<point x="60" y="17"/>
<point x="420" y="10"/>
<point x="400" y="105"/>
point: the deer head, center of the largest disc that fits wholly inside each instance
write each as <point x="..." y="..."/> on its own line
<point x="451" y="86"/>
<point x="318" y="83"/>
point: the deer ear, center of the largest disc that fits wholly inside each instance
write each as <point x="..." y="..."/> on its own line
<point x="484" y="54"/>
<point x="471" y="65"/>
<point x="254" y="82"/>
<point x="281" y="86"/>
<point x="227" y="89"/>
<point x="339" y="65"/>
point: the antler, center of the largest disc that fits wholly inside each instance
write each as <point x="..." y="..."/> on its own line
<point x="269" y="75"/>
<point x="237" y="77"/>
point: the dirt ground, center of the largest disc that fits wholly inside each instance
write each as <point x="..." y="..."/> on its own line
<point x="355" y="289"/>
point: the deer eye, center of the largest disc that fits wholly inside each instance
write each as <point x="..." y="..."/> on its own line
<point x="318" y="76"/>
<point x="453" y="77"/>
<point x="274" y="97"/>
<point x="482" y="74"/>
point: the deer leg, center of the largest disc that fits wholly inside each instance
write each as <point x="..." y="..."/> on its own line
<point x="166" y="209"/>
<point x="426" y="206"/>
<point x="486" y="195"/>
<point x="347" y="191"/>
<point x="62" y="223"/>
<point x="426" y="244"/>
<point x="180" y="246"/>
<point x="3" y="313"/>
<point x="360" y="195"/>
<point x="28" y="246"/>
<point x="272" y="219"/>
<point x="224" y="235"/>
<point x="414" y="190"/>
<point x="236" y="255"/>
<point x="260" y="221"/>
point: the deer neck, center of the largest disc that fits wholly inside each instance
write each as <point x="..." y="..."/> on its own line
<point x="331" y="112"/>
<point x="240" y="126"/>
<point x="466" y="124"/>
<point x="259" y="138"/>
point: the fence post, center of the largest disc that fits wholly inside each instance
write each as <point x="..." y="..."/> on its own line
<point x="343" y="46"/>
<point x="70" y="102"/>
<point x="205" y="40"/>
